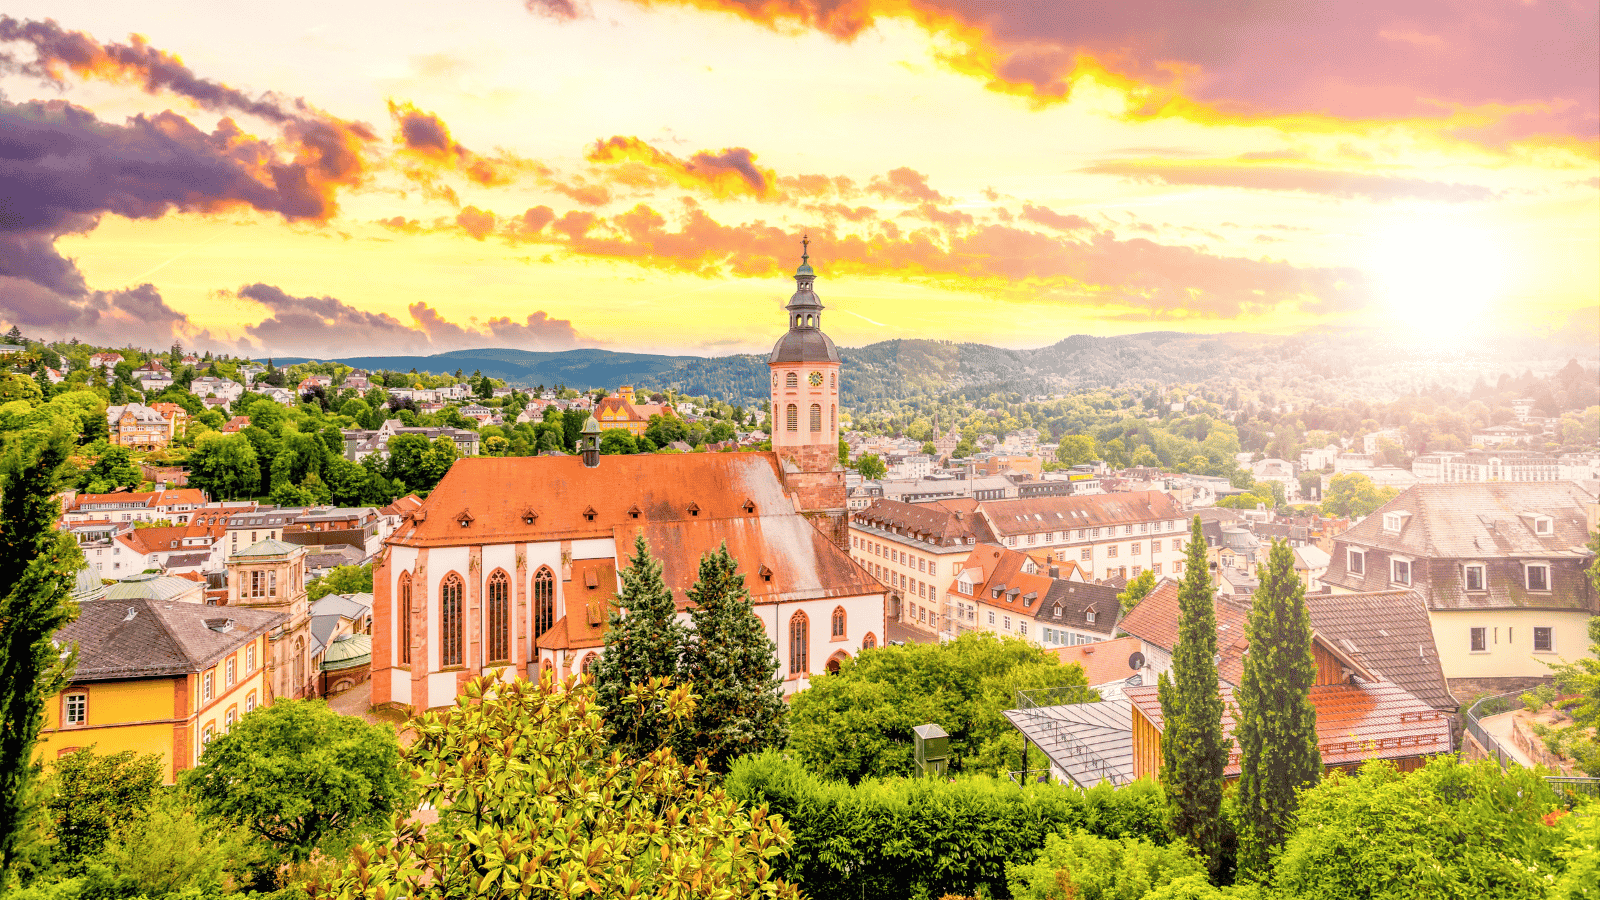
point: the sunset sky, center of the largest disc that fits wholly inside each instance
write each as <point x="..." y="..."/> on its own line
<point x="343" y="178"/>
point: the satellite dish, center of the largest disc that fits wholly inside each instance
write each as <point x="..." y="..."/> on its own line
<point x="1216" y="659"/>
<point x="1134" y="680"/>
<point x="1136" y="660"/>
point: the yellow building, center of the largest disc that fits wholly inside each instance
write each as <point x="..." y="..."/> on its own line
<point x="158" y="676"/>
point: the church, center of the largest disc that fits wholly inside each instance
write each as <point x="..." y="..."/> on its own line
<point x="512" y="562"/>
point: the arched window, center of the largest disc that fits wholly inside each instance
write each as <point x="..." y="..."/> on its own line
<point x="403" y="625"/>
<point x="816" y="417"/>
<point x="299" y="667"/>
<point x="544" y="601"/>
<point x="833" y="417"/>
<point x="499" y="617"/>
<point x="833" y="381"/>
<point x="869" y="642"/>
<point x="450" y="611"/>
<point x="835" y="661"/>
<point x="799" y="644"/>
<point x="838" y="621"/>
<point x="792" y="380"/>
<point x="793" y="418"/>
<point x="590" y="660"/>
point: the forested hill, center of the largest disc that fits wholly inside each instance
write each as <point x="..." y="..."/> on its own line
<point x="1332" y="363"/>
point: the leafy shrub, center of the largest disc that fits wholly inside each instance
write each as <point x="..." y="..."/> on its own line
<point x="1539" y="698"/>
<point x="1446" y="830"/>
<point x="914" y="837"/>
<point x="1081" y="866"/>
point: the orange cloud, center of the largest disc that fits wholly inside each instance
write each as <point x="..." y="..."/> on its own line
<point x="733" y="172"/>
<point x="425" y="141"/>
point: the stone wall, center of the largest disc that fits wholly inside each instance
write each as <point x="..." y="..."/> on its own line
<point x="1466" y="690"/>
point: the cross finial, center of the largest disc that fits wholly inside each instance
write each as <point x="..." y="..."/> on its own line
<point x="805" y="248"/>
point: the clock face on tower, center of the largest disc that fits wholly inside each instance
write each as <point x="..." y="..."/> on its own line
<point x="815" y="378"/>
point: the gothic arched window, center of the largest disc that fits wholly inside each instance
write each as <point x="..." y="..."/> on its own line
<point x="816" y="417"/>
<point x="403" y="625"/>
<point x="869" y="642"/>
<point x="450" y="611"/>
<point x="838" y="622"/>
<point x="799" y="644"/>
<point x="793" y="419"/>
<point x="544" y="601"/>
<point x="499" y="617"/>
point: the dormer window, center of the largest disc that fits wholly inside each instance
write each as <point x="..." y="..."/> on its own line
<point x="1400" y="571"/>
<point x="1088" y="616"/>
<point x="1357" y="562"/>
<point x="765" y="573"/>
<point x="633" y="512"/>
<point x="1543" y="525"/>
<point x="749" y="508"/>
<point x="1538" y="576"/>
<point x="465" y="518"/>
<point x="694" y="509"/>
<point x="1473" y="577"/>
<point x="1394" y="521"/>
<point x="589" y="514"/>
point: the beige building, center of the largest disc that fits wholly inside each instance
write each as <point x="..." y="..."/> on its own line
<point x="271" y="575"/>
<point x="915" y="550"/>
<point x="1500" y="566"/>
<point x="1115" y="535"/>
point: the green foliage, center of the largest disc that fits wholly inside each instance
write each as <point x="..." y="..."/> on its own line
<point x="89" y="796"/>
<point x="1579" y="854"/>
<point x="1277" y="725"/>
<point x="532" y="802"/>
<point x="921" y="837"/>
<point x="644" y="641"/>
<point x="858" y="723"/>
<point x="1446" y="830"/>
<point x="341" y="580"/>
<point x="732" y="667"/>
<point x="871" y="467"/>
<point x="1581" y="678"/>
<point x="1193" y="749"/>
<point x="38" y="565"/>
<point x="115" y="468"/>
<point x="1137" y="589"/>
<point x="615" y="441"/>
<point x="225" y="466"/>
<point x="16" y="386"/>
<point x="1075" y="450"/>
<point x="174" y="852"/>
<point x="301" y="776"/>
<point x="1079" y="866"/>
<point x="1353" y="494"/>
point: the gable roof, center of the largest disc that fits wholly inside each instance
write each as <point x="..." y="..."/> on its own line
<point x="1033" y="515"/>
<point x="1155" y="620"/>
<point x="497" y="491"/>
<point x="1076" y="599"/>
<point x="1468" y="521"/>
<point x="1389" y="633"/>
<point x="1103" y="662"/>
<point x="591" y="596"/>
<point x="119" y="639"/>
<point x="945" y="523"/>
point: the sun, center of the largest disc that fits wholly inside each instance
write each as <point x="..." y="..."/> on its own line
<point x="1437" y="276"/>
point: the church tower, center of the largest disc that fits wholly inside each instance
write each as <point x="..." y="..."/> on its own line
<point x="805" y="406"/>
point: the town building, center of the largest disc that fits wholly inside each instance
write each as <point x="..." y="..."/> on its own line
<point x="359" y="443"/>
<point x="512" y="563"/>
<point x="172" y="505"/>
<point x="1109" y="535"/>
<point x="1485" y="466"/>
<point x="140" y="427"/>
<point x="1009" y="593"/>
<point x="270" y="575"/>
<point x="156" y="675"/>
<point x="626" y="411"/>
<point x="1499" y="565"/>
<point x="915" y="550"/>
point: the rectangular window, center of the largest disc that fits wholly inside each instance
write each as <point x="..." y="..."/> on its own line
<point x="250" y="702"/>
<point x="933" y="567"/>
<point x="1177" y="566"/>
<point x="250" y="657"/>
<point x="1127" y="529"/>
<point x="1008" y="623"/>
<point x="1480" y="640"/>
<point x="1538" y="578"/>
<point x="1111" y="551"/>
<point x="1032" y="538"/>
<point x="1022" y="628"/>
<point x="1134" y="548"/>
<point x="210" y="689"/>
<point x="1541" y="640"/>
<point x="232" y="672"/>
<point x="1357" y="562"/>
<point x="922" y="564"/>
<point x="1155" y="569"/>
<point x="1474" y="578"/>
<point x="272" y="584"/>
<point x="1137" y="570"/>
<point x="1155" y="546"/>
<point x="991" y="618"/>
<point x="227" y="721"/>
<point x="1086" y="554"/>
<point x="76" y="709"/>
<point x="1400" y="571"/>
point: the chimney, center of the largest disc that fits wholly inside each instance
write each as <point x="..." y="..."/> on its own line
<point x="1055" y="571"/>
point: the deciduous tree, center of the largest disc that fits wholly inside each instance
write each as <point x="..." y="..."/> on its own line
<point x="225" y="466"/>
<point x="871" y="467"/>
<point x="1277" y="726"/>
<point x="1193" y="750"/>
<point x="89" y="796"/>
<point x="1137" y="589"/>
<point x="302" y="776"/>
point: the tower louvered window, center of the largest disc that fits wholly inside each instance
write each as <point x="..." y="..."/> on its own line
<point x="450" y="611"/>
<point x="499" y="617"/>
<point x="816" y="417"/>
<point x="792" y="380"/>
<point x="544" y="601"/>
<point x="793" y="421"/>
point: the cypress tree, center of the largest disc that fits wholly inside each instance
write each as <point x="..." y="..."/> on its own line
<point x="643" y="640"/>
<point x="733" y="667"/>
<point x="1277" y="725"/>
<point x="1193" y="750"/>
<point x="38" y="565"/>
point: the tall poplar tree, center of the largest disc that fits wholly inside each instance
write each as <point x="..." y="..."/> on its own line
<point x="38" y="566"/>
<point x="643" y="640"/>
<point x="1277" y="727"/>
<point x="733" y="667"/>
<point x="1193" y="750"/>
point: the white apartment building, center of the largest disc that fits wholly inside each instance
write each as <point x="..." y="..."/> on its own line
<point x="915" y="549"/>
<point x="1479" y="466"/>
<point x="1108" y="535"/>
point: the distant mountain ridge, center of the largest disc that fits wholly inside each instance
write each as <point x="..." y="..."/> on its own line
<point x="901" y="368"/>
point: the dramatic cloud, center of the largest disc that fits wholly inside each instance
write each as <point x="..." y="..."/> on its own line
<point x="427" y="149"/>
<point x="730" y="173"/>
<point x="906" y="185"/>
<point x="1532" y="67"/>
<point x="328" y="327"/>
<point x="1097" y="269"/>
<point x="1242" y="172"/>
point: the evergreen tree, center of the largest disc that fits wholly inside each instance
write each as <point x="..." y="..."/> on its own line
<point x="1193" y="750"/>
<point x="733" y="668"/>
<point x="1277" y="727"/>
<point x="643" y="640"/>
<point x="37" y="567"/>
